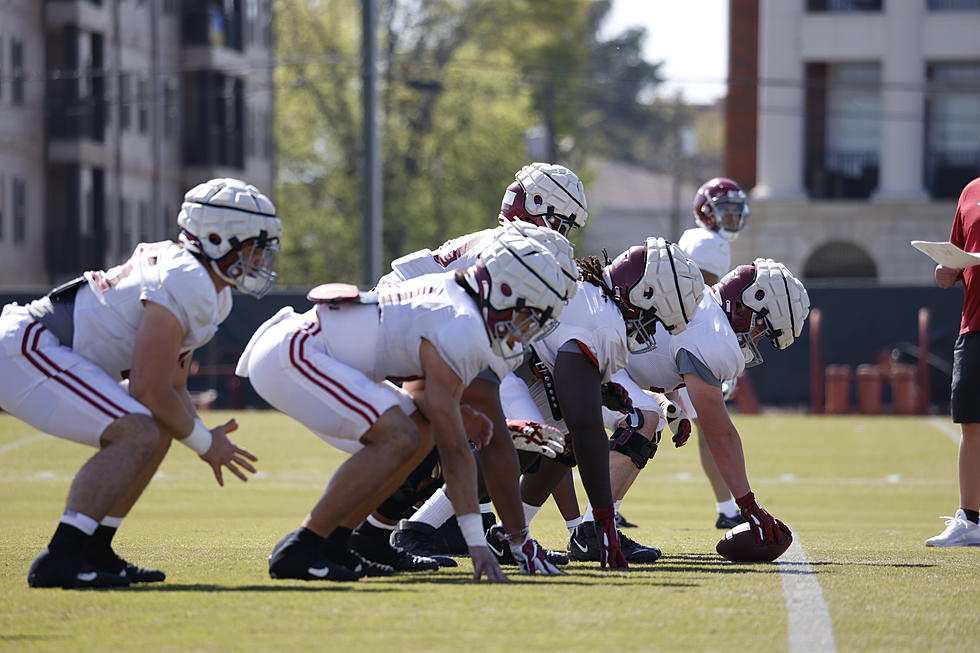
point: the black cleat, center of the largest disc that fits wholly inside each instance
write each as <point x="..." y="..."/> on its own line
<point x="367" y="567"/>
<point x="583" y="546"/>
<point x="725" y="522"/>
<point x="112" y="562"/>
<point x="49" y="570"/>
<point x="302" y="560"/>
<point x="422" y="540"/>
<point x="500" y="548"/>
<point x="378" y="549"/>
<point x="622" y="522"/>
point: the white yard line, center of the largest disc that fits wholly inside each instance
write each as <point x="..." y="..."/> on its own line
<point x="950" y="430"/>
<point x="10" y="446"/>
<point x="809" y="625"/>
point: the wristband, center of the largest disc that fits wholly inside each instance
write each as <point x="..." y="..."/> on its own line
<point x="471" y="525"/>
<point x="199" y="438"/>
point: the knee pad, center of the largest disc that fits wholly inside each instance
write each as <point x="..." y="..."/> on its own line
<point x="628" y="442"/>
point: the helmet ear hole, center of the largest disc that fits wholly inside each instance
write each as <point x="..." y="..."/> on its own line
<point x="214" y="238"/>
<point x="538" y="200"/>
<point x="760" y="294"/>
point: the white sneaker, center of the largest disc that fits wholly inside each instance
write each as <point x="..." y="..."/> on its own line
<point x="960" y="531"/>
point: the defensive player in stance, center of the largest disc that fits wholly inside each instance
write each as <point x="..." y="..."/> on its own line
<point x="721" y="211"/>
<point x="614" y="313"/>
<point x="328" y="368"/>
<point x="544" y="202"/>
<point x="66" y="353"/>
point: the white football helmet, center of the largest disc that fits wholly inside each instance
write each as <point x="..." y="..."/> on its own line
<point x="234" y="226"/>
<point x="514" y="273"/>
<point x="560" y="248"/>
<point x="653" y="283"/>
<point x="547" y="195"/>
<point x="763" y="300"/>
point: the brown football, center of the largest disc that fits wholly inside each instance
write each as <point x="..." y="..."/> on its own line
<point x="739" y="545"/>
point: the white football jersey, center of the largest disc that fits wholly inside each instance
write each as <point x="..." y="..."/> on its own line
<point x="708" y="337"/>
<point x="386" y="346"/>
<point x="708" y="249"/>
<point x="456" y="254"/>
<point x="595" y="321"/>
<point x="109" y="307"/>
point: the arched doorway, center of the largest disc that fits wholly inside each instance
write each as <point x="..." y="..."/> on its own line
<point x="840" y="260"/>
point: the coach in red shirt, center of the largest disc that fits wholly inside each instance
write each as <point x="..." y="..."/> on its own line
<point x="962" y="529"/>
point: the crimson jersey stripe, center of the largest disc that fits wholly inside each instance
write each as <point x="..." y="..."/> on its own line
<point x="588" y="352"/>
<point x="313" y="330"/>
<point x="297" y="356"/>
<point x="29" y="346"/>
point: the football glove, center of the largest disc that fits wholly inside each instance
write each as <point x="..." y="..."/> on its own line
<point x="610" y="550"/>
<point x="615" y="397"/>
<point x="765" y="527"/>
<point x="677" y="421"/>
<point x="536" y="438"/>
<point x="531" y="558"/>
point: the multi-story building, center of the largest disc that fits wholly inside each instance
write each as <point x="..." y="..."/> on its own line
<point x="110" y="110"/>
<point x="856" y="123"/>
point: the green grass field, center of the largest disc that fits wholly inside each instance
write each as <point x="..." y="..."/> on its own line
<point x="862" y="493"/>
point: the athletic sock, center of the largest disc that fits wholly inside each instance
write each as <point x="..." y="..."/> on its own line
<point x="588" y="513"/>
<point x="617" y="504"/>
<point x="728" y="508"/>
<point x="337" y="544"/>
<point x="572" y="523"/>
<point x="972" y="515"/>
<point x="68" y="539"/>
<point x="529" y="512"/>
<point x="436" y="511"/>
<point x="378" y="525"/>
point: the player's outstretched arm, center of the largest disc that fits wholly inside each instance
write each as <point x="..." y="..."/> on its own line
<point x="158" y="380"/>
<point x="440" y="404"/>
<point x="721" y="434"/>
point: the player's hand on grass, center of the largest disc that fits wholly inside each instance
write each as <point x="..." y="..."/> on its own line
<point x="765" y="527"/>
<point x="225" y="453"/>
<point x="531" y="558"/>
<point x="536" y="438"/>
<point x="479" y="428"/>
<point x="485" y="564"/>
<point x="610" y="549"/>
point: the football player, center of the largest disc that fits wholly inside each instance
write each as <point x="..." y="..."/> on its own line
<point x="544" y="202"/>
<point x="328" y="367"/>
<point x="67" y="355"/>
<point x="721" y="211"/>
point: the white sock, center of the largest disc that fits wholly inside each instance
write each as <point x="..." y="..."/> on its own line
<point x="486" y="507"/>
<point x="616" y="505"/>
<point x="572" y="523"/>
<point x="728" y="508"/>
<point x="111" y="522"/>
<point x="436" y="511"/>
<point x="377" y="523"/>
<point x="588" y="513"/>
<point x="529" y="512"/>
<point x="82" y="522"/>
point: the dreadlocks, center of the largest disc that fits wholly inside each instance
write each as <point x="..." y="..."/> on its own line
<point x="591" y="271"/>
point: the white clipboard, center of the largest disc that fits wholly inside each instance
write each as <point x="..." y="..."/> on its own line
<point x="947" y="254"/>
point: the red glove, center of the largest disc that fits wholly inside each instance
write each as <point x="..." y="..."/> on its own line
<point x="531" y="558"/>
<point x="605" y="529"/>
<point x="765" y="527"/>
<point x="615" y="397"/>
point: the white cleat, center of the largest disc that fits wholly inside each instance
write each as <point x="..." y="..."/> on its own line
<point x="960" y="531"/>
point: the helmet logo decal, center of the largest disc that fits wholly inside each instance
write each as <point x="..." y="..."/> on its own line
<point x="505" y="289"/>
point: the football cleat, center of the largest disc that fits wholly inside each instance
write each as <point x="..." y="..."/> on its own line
<point x="378" y="548"/>
<point x="49" y="570"/>
<point x="622" y="522"/>
<point x="583" y="545"/>
<point x="725" y="522"/>
<point x="296" y="559"/>
<point x="498" y="545"/>
<point x="422" y="540"/>
<point x="367" y="567"/>
<point x="110" y="561"/>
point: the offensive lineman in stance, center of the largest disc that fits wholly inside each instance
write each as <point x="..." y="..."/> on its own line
<point x="66" y="353"/>
<point x="328" y="368"/>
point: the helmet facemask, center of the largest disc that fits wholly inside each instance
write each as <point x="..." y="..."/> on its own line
<point x="510" y="330"/>
<point x="250" y="266"/>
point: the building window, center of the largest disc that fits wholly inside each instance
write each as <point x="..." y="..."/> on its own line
<point x="214" y="119"/>
<point x="124" y="230"/>
<point x="125" y="100"/>
<point x="142" y="106"/>
<point x="952" y="156"/>
<point x="169" y="107"/>
<point x="169" y="6"/>
<point x="843" y="132"/>
<point x="17" y="71"/>
<point x="840" y="260"/>
<point x="20" y="210"/>
<point x="1" y="69"/>
<point x="843" y="5"/>
<point x="3" y="205"/>
<point x="954" y="5"/>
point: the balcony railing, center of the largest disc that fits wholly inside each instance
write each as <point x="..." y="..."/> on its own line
<point x="946" y="173"/>
<point x="842" y="175"/>
<point x="954" y="5"/>
<point x="843" y="5"/>
<point x="72" y="117"/>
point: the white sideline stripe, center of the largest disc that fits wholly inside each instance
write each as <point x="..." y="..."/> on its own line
<point x="948" y="428"/>
<point x="809" y="625"/>
<point x="10" y="446"/>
